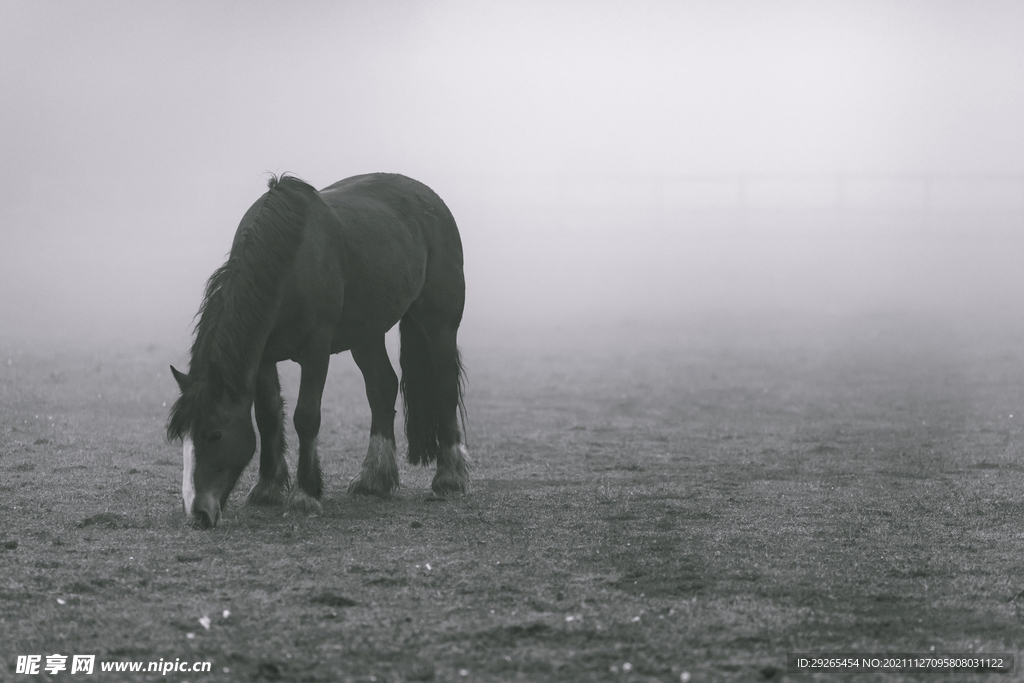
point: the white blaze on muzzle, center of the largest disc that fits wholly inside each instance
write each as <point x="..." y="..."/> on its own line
<point x="188" y="473"/>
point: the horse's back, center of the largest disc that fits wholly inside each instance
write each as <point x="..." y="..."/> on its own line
<point x="383" y="244"/>
<point x="378" y="203"/>
<point x="409" y="201"/>
<point x="380" y="186"/>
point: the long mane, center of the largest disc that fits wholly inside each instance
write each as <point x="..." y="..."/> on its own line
<point x="240" y="295"/>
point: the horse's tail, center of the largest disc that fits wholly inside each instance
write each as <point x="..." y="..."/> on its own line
<point x="432" y="392"/>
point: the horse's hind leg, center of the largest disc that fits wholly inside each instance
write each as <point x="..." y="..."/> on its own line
<point x="273" y="482"/>
<point x="452" y="459"/>
<point x="432" y="377"/>
<point x="379" y="474"/>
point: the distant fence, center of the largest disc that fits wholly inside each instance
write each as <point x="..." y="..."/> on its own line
<point x="930" y="201"/>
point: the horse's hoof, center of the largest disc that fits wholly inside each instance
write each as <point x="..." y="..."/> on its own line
<point x="379" y="473"/>
<point x="449" y="486"/>
<point x="382" y="487"/>
<point x="302" y="503"/>
<point x="452" y="477"/>
<point x="267" y="494"/>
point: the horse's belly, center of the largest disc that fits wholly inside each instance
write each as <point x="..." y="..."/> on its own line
<point x="363" y="324"/>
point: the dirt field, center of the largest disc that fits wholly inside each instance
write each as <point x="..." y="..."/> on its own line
<point x="671" y="502"/>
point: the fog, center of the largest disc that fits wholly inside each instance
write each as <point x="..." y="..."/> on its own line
<point x="607" y="163"/>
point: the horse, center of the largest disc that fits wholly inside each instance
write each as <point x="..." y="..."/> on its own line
<point x="310" y="274"/>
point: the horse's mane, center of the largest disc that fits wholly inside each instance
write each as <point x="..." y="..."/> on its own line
<point x="239" y="297"/>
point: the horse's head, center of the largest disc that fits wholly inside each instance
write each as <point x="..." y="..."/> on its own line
<point x="215" y="427"/>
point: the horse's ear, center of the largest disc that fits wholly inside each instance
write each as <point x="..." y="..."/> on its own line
<point x="183" y="380"/>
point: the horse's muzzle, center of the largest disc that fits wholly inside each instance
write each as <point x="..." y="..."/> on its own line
<point x="205" y="512"/>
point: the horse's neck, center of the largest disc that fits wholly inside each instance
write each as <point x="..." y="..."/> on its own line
<point x="241" y="357"/>
<point x="254" y="358"/>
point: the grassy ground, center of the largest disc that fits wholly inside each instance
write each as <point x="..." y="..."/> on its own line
<point x="670" y="503"/>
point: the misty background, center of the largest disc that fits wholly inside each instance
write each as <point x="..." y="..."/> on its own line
<point x="607" y="163"/>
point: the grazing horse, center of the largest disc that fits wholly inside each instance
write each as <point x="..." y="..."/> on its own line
<point x="311" y="274"/>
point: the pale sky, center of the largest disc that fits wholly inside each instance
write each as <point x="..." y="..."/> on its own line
<point x="505" y="88"/>
<point x="143" y="128"/>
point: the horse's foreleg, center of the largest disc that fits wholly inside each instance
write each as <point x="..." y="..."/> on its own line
<point x="305" y="496"/>
<point x="379" y="474"/>
<point x="273" y="482"/>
